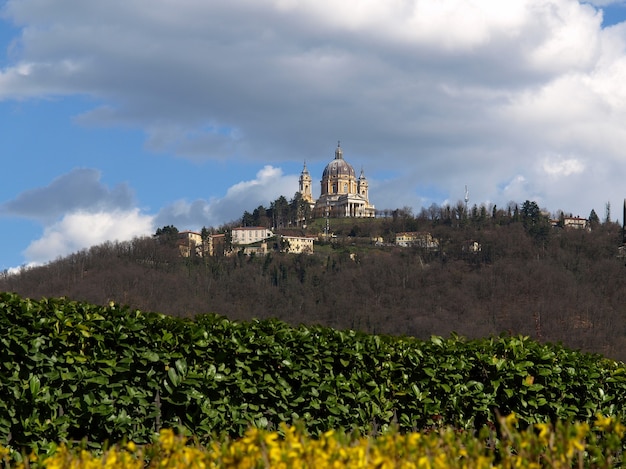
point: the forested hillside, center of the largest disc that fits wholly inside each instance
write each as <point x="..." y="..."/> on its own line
<point x="552" y="284"/>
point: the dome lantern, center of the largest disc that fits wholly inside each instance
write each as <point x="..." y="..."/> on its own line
<point x="339" y="151"/>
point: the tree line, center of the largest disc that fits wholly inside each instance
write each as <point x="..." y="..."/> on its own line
<point x="527" y="277"/>
<point x="280" y="213"/>
<point x="297" y="213"/>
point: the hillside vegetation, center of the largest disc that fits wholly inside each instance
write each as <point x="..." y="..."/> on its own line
<point x="551" y="284"/>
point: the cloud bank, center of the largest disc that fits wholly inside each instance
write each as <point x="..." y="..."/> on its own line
<point x="80" y="230"/>
<point x="78" y="190"/>
<point x="77" y="211"/>
<point x="269" y="184"/>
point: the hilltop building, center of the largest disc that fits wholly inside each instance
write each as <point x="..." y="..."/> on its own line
<point x="419" y="239"/>
<point x="297" y="244"/>
<point x="255" y="239"/>
<point x="342" y="194"/>
<point x="575" y="223"/>
<point x="250" y="235"/>
<point x="191" y="244"/>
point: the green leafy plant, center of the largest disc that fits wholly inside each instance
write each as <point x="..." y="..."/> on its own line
<point x="71" y="371"/>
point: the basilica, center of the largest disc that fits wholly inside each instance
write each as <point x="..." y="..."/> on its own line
<point x="342" y="194"/>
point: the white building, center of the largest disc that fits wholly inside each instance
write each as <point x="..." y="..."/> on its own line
<point x="250" y="235"/>
<point x="576" y="223"/>
<point x="297" y="244"/>
<point x="416" y="238"/>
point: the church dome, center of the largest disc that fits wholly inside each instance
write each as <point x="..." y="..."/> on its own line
<point x="338" y="167"/>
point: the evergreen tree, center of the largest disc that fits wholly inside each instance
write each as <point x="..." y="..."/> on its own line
<point x="167" y="234"/>
<point x="536" y="224"/>
<point x="594" y="220"/>
<point x="279" y="210"/>
<point x="247" y="219"/>
<point x="260" y="217"/>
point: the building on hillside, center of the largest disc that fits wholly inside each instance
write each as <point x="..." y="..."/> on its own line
<point x="418" y="239"/>
<point x="250" y="235"/>
<point x="190" y="244"/>
<point x="297" y="244"/>
<point x="472" y="246"/>
<point x="575" y="223"/>
<point x="259" y="249"/>
<point x="342" y="193"/>
<point x="215" y="244"/>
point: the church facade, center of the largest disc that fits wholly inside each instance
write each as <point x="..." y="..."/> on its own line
<point x="342" y="193"/>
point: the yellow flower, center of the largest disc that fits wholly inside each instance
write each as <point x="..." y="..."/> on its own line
<point x="167" y="439"/>
<point x="511" y="420"/>
<point x="270" y="439"/>
<point x="424" y="463"/>
<point x="582" y="429"/>
<point x="602" y="422"/>
<point x="544" y="432"/>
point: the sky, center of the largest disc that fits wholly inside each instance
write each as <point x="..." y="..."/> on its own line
<point x="120" y="117"/>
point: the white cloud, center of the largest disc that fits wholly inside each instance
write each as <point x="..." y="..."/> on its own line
<point x="568" y="34"/>
<point x="515" y="189"/>
<point x="269" y="184"/>
<point x="78" y="226"/>
<point x="80" y="230"/>
<point x="559" y="166"/>
<point x="266" y="177"/>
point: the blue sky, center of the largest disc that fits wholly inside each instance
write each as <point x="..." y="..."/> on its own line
<point x="120" y="117"/>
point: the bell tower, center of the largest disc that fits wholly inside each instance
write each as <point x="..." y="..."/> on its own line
<point x="362" y="185"/>
<point x="305" y="185"/>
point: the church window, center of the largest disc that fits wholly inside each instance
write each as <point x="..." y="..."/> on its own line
<point x="345" y="187"/>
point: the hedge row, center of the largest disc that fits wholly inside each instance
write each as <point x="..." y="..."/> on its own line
<point x="72" y="371"/>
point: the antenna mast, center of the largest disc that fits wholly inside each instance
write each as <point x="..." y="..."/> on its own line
<point x="327" y="229"/>
<point x="621" y="251"/>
